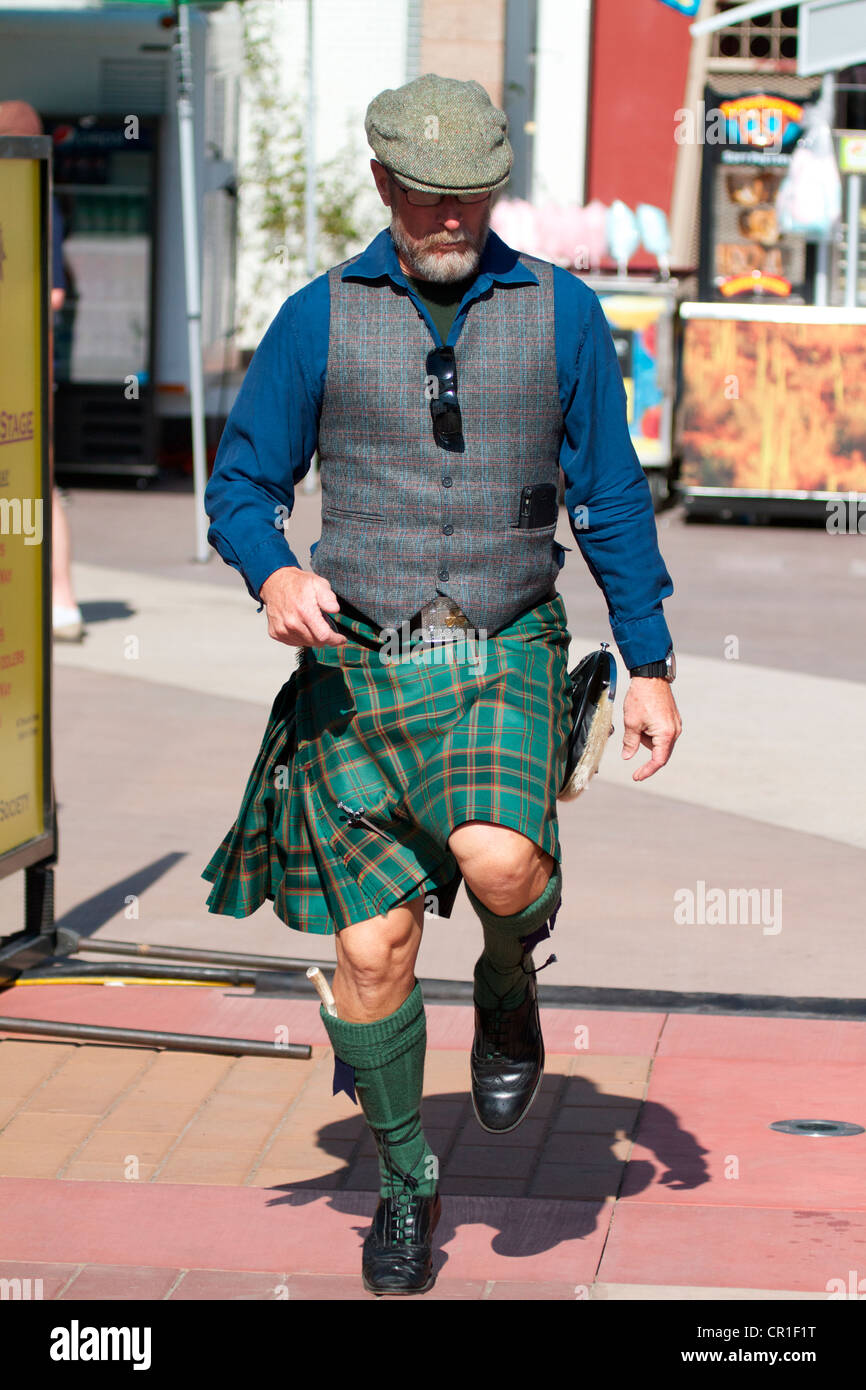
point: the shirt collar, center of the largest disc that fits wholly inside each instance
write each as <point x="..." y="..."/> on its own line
<point x="499" y="264"/>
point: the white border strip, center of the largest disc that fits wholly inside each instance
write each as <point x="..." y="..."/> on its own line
<point x="772" y="313"/>
<point x="770" y="493"/>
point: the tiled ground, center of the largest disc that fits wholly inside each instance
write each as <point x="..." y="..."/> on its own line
<point x="647" y="1162"/>
<point x="87" y="1111"/>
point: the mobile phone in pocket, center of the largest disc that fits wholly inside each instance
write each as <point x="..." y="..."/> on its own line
<point x="539" y="506"/>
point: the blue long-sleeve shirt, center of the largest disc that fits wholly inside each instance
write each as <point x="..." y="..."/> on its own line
<point x="271" y="436"/>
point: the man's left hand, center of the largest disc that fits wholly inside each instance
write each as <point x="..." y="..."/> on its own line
<point x="651" y="718"/>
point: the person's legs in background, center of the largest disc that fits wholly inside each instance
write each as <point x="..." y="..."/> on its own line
<point x="67" y="623"/>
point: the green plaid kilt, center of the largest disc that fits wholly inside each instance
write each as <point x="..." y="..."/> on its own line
<point x="419" y="745"/>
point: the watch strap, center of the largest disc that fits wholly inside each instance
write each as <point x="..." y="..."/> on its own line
<point x="652" y="668"/>
<point x="664" y="669"/>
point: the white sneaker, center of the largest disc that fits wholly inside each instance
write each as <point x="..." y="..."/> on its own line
<point x="67" y="623"/>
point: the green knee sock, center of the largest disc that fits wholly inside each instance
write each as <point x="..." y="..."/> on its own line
<point x="388" y="1057"/>
<point x="499" y="975"/>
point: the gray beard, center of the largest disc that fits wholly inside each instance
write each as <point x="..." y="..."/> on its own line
<point x="430" y="264"/>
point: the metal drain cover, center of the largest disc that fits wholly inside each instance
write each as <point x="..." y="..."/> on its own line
<point x="815" y="1128"/>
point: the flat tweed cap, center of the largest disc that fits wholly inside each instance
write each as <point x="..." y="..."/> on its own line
<point x="439" y="135"/>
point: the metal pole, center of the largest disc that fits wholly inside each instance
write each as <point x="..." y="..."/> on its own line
<point x="225" y="975"/>
<point x="178" y="1042"/>
<point x="101" y="946"/>
<point x="686" y="194"/>
<point x="822" y="266"/>
<point x="310" y="482"/>
<point x="186" y="137"/>
<point x="852" y="270"/>
<point x="310" y="166"/>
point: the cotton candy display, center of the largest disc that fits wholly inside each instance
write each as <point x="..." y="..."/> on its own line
<point x="578" y="237"/>
<point x="593" y="232"/>
<point x="564" y="235"/>
<point x="623" y="238"/>
<point x="809" y="200"/>
<point x="516" y="221"/>
<point x="655" y="235"/>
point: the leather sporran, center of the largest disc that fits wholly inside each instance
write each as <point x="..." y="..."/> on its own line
<point x="593" y="688"/>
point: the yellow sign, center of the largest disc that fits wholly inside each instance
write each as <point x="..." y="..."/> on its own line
<point x="21" y="505"/>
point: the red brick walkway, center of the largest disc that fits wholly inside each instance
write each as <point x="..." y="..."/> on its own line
<point x="645" y="1169"/>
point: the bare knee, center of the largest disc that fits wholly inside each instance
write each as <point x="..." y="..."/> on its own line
<point x="376" y="962"/>
<point x="505" y="869"/>
<point x="373" y="950"/>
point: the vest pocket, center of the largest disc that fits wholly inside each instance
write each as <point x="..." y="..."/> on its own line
<point x="351" y="515"/>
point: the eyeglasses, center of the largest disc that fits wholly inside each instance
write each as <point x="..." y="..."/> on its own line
<point x="432" y="200"/>
<point x="444" y="406"/>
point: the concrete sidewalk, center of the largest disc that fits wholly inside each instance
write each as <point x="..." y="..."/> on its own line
<point x="645" y="1170"/>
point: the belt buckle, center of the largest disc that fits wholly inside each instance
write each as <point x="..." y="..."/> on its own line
<point x="442" y="620"/>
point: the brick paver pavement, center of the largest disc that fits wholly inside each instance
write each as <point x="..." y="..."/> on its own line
<point x="140" y="1173"/>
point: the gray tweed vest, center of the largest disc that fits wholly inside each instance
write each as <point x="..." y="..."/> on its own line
<point x="403" y="518"/>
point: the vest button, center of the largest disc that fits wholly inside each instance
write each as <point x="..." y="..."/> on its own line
<point x="446" y="481"/>
<point x="443" y="574"/>
<point x="448" y="530"/>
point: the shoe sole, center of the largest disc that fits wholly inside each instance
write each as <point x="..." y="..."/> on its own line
<point x="398" y="1293"/>
<point x="526" y="1111"/>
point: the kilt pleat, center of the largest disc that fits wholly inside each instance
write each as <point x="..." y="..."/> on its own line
<point x="416" y="747"/>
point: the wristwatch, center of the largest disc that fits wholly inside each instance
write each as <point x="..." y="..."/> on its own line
<point x="666" y="670"/>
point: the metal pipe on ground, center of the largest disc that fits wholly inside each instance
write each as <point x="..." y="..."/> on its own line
<point x="74" y="944"/>
<point x="152" y="970"/>
<point x="178" y="1042"/>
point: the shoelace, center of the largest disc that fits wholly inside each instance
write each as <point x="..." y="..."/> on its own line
<point x="401" y="1217"/>
<point x="496" y="1031"/>
<point x="497" y="1025"/>
<point x="533" y="969"/>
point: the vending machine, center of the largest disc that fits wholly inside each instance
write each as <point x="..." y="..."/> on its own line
<point x="105" y="180"/>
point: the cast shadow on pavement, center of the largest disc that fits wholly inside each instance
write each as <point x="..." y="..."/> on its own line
<point x="600" y="1173"/>
<point x="88" y="916"/>
<point x="105" y="610"/>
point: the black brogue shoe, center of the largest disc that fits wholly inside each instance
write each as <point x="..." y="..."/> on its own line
<point x="506" y="1062"/>
<point x="398" y="1251"/>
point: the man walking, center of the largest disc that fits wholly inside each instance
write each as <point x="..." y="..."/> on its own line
<point x="443" y="379"/>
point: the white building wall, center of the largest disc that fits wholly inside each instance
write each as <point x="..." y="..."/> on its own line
<point x="360" y="49"/>
<point x="561" y="101"/>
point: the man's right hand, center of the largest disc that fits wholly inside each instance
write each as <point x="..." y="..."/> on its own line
<point x="295" y="601"/>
